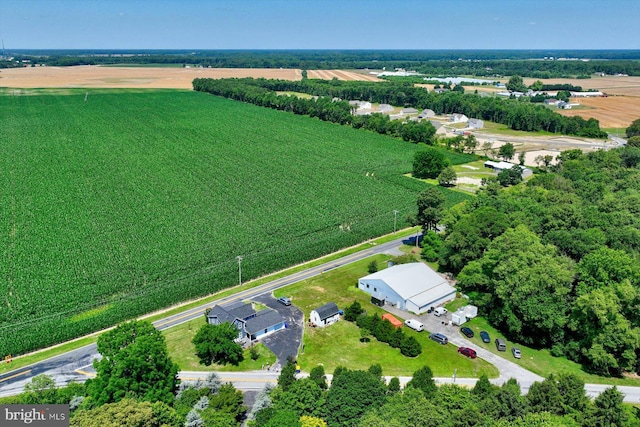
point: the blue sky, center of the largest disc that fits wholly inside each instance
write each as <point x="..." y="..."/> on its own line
<point x="320" y="24"/>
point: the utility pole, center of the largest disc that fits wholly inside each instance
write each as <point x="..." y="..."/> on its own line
<point x="239" y="258"/>
<point x="395" y="216"/>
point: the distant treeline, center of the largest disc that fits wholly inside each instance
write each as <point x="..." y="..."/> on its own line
<point x="482" y="63"/>
<point x="516" y="114"/>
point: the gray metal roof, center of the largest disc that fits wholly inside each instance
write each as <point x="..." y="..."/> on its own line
<point x="327" y="310"/>
<point x="264" y="319"/>
<point x="232" y="312"/>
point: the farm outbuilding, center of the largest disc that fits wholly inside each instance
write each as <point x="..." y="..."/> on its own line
<point x="325" y="315"/>
<point x="500" y="166"/>
<point x="413" y="287"/>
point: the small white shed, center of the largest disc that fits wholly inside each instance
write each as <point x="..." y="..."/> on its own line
<point x="325" y="315"/>
<point x="464" y="314"/>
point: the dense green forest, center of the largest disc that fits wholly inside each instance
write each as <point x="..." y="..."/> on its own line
<point x="527" y="63"/>
<point x="328" y="106"/>
<point x="555" y="263"/>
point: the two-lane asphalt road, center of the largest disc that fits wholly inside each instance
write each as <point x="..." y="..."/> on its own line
<point x="76" y="365"/>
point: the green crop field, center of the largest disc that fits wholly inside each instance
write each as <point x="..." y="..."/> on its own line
<point x="116" y="203"/>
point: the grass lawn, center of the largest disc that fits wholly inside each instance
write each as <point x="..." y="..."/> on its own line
<point x="182" y="351"/>
<point x="540" y="361"/>
<point x="500" y="129"/>
<point x="297" y="94"/>
<point x="339" y="344"/>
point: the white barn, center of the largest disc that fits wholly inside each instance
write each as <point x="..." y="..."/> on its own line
<point x="413" y="287"/>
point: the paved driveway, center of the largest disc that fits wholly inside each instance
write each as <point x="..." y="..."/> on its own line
<point x="286" y="342"/>
<point x="433" y="323"/>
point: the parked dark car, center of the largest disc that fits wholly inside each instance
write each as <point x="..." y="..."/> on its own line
<point x="467" y="332"/>
<point x="485" y="336"/>
<point x="284" y="300"/>
<point x="466" y="351"/>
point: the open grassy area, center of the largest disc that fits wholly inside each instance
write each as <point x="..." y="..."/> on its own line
<point x="339" y="344"/>
<point x="500" y="129"/>
<point x="182" y="351"/>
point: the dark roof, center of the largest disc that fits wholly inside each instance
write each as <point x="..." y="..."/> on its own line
<point x="263" y="320"/>
<point x="327" y="310"/>
<point x="232" y="312"/>
<point x="240" y="310"/>
<point x="222" y="314"/>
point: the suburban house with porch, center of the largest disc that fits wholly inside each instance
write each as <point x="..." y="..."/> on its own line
<point x="325" y="315"/>
<point x="413" y="287"/>
<point x="251" y="325"/>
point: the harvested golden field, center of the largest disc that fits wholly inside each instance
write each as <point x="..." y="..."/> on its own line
<point x="611" y="85"/>
<point x="341" y="75"/>
<point x="611" y="112"/>
<point x="129" y="77"/>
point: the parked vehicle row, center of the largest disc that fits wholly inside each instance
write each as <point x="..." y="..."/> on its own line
<point x="500" y="343"/>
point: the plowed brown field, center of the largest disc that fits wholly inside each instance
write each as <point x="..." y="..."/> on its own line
<point x="129" y="77"/>
<point x="623" y="85"/>
<point x="151" y="77"/>
<point x="611" y="112"/>
<point x="341" y="75"/>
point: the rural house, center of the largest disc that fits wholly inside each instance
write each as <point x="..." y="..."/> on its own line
<point x="413" y="287"/>
<point x="458" y="118"/>
<point x="325" y="315"/>
<point x="475" y="124"/>
<point x="427" y="114"/>
<point x="250" y="325"/>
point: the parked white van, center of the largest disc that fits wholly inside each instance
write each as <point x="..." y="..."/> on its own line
<point x="414" y="324"/>
<point x="440" y="311"/>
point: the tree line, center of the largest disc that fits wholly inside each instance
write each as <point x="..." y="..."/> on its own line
<point x="554" y="263"/>
<point x="481" y="63"/>
<point x="136" y="385"/>
<point x="364" y="398"/>
<point x="329" y="105"/>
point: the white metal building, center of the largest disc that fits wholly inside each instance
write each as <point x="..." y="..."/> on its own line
<point x="413" y="287"/>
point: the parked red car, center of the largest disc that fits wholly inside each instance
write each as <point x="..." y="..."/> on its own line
<point x="466" y="351"/>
